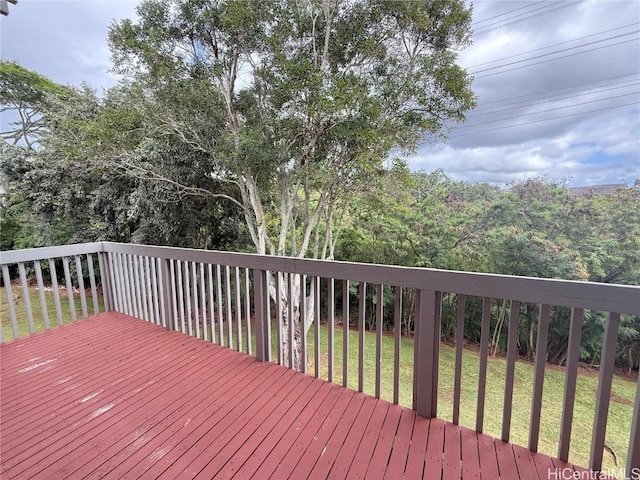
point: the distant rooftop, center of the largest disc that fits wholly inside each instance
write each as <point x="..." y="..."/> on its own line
<point x="597" y="189"/>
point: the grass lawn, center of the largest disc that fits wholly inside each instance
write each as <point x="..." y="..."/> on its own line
<point x="620" y="410"/>
<point x="36" y="308"/>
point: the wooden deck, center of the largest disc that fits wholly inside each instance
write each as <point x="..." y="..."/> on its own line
<point x="111" y="396"/>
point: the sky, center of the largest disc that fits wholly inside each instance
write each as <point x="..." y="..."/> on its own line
<point x="570" y="114"/>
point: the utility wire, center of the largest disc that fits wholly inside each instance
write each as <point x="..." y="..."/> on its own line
<point x="548" y="6"/>
<point x="562" y="88"/>
<point x="544" y="120"/>
<point x="546" y="99"/>
<point x="551" y="46"/>
<point x="490" y="28"/>
<point x="507" y="12"/>
<point x="544" y="7"/>
<point x="548" y="110"/>
<point x="553" y="59"/>
<point x="557" y="51"/>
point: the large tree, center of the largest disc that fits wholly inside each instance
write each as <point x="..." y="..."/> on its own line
<point x="294" y="103"/>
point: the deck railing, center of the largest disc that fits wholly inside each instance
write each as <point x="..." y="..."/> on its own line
<point x="232" y="299"/>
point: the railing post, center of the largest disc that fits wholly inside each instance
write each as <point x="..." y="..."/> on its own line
<point x="167" y="296"/>
<point x="604" y="390"/>
<point x="260" y="299"/>
<point x="426" y="351"/>
<point x="633" y="454"/>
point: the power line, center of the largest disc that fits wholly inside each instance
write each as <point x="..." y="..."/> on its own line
<point x="473" y="115"/>
<point x="548" y="110"/>
<point x="548" y="97"/>
<point x="554" y="45"/>
<point x="545" y="8"/>
<point x="544" y="120"/>
<point x="507" y="12"/>
<point x="564" y="88"/>
<point x="557" y="51"/>
<point x="490" y="29"/>
<point x="557" y="58"/>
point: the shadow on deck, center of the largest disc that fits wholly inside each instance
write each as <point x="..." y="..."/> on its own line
<point x="113" y="396"/>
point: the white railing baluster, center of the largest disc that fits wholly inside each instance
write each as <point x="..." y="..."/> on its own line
<point x="56" y="291"/>
<point x="345" y="333"/>
<point x="25" y="295"/>
<point x="303" y="319"/>
<point x="571" y="375"/>
<point x="316" y="326"/>
<point x="6" y="279"/>
<point x="247" y="310"/>
<point x="174" y="298"/>
<point x="194" y="298"/>
<point x="238" y="311"/>
<point x="267" y="312"/>
<point x="260" y="301"/>
<point x="227" y="301"/>
<point x="290" y="322"/>
<point x="607" y="365"/>
<point x="538" y="378"/>
<point x="362" y="300"/>
<point x="83" y="293"/>
<point x="437" y="327"/>
<point x="119" y="294"/>
<point x="136" y="281"/>
<point x="156" y="292"/>
<point x="397" y="333"/>
<point x="148" y="289"/>
<point x="138" y="278"/>
<point x="633" y="453"/>
<point x="67" y="278"/>
<point x="187" y="297"/>
<point x="212" y="319"/>
<point x="92" y="283"/>
<point x="203" y="304"/>
<point x="105" y="280"/>
<point x="280" y="342"/>
<point x="484" y="353"/>
<point x="331" y="315"/>
<point x="457" y="376"/>
<point x="379" y="312"/>
<point x="116" y="297"/>
<point x="219" y="304"/>
<point x="128" y="286"/>
<point x="123" y="292"/>
<point x="161" y="308"/>
<point x="512" y="345"/>
<point x="43" y="300"/>
<point x="130" y="283"/>
<point x="180" y="296"/>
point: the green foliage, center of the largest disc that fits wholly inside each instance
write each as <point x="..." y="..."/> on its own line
<point x="302" y="101"/>
<point x="533" y="228"/>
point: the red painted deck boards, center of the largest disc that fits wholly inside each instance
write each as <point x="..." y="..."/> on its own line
<point x="115" y="397"/>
